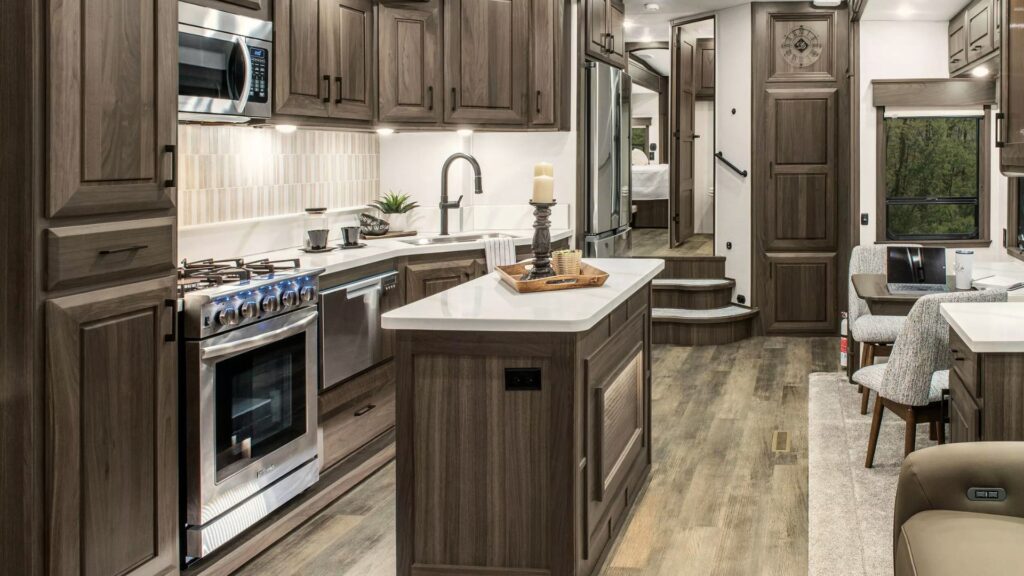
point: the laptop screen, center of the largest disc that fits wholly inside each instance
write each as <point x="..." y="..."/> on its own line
<point x="916" y="265"/>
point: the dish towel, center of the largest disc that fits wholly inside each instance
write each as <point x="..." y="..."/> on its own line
<point x="499" y="252"/>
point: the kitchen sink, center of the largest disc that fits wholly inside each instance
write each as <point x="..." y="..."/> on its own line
<point x="435" y="240"/>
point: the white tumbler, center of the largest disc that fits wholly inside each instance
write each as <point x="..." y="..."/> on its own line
<point x="964" y="266"/>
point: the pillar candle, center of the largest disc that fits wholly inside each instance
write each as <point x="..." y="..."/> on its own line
<point x="544" y="169"/>
<point x="543" y="189"/>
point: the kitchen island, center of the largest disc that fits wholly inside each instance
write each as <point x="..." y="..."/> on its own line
<point x="523" y="423"/>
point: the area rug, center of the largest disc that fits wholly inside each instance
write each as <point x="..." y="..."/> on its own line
<point x="850" y="507"/>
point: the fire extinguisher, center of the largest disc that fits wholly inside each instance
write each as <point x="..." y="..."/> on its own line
<point x="844" y="343"/>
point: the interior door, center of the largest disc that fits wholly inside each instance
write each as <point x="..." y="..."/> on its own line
<point x="682" y="170"/>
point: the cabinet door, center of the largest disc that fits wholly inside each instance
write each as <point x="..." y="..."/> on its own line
<point x="616" y="27"/>
<point x="964" y="415"/>
<point x="301" y="84"/>
<point x="486" y="59"/>
<point x="112" y="457"/>
<point x="980" y="28"/>
<point x="596" y="16"/>
<point x="350" y="47"/>
<point x="545" y="60"/>
<point x="410" y="62"/>
<point x="427" y="279"/>
<point x="112" y="106"/>
<point x="251" y="8"/>
<point x="957" y="43"/>
<point x="800" y="296"/>
<point x="1010" y="125"/>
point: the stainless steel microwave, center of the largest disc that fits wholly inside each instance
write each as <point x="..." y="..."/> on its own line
<point x="224" y="65"/>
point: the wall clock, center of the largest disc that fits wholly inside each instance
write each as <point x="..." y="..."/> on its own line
<point x="801" y="47"/>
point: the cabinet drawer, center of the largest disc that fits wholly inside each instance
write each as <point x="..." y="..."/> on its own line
<point x="81" y="255"/>
<point x="965" y="363"/>
<point x="354" y="413"/>
<point x="964" y="415"/>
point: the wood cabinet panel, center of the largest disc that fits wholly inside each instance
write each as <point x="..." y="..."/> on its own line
<point x="606" y="39"/>
<point x="616" y="27"/>
<point x="1010" y="118"/>
<point x="112" y="106"/>
<point x="957" y="43"/>
<point x="704" y="79"/>
<point x="545" y="60"/>
<point x="486" y="58"/>
<point x="350" y="46"/>
<point x="301" y="30"/>
<point x="251" y="8"/>
<point x="801" y="293"/>
<point x="430" y="278"/>
<point x="112" y="459"/>
<point x="620" y="423"/>
<point x="979" y="26"/>
<point x="355" y="412"/>
<point x="964" y="415"/>
<point x="94" y="253"/>
<point x="410" y="62"/>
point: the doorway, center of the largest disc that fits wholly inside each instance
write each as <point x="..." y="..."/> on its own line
<point x="673" y="132"/>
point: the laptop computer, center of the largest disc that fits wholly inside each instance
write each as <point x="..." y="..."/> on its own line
<point x="916" y="269"/>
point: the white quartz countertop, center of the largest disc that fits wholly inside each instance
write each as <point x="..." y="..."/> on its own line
<point x="487" y="304"/>
<point x="378" y="250"/>
<point x="988" y="327"/>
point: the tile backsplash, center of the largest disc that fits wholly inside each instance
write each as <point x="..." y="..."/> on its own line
<point x="229" y="173"/>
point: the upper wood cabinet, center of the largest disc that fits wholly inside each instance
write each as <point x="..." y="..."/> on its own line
<point x="112" y="106"/>
<point x="112" y="451"/>
<point x="251" y="8"/>
<point x="486" y="55"/>
<point x="409" y="48"/>
<point x="546" y="62"/>
<point x="957" y="43"/>
<point x="980" y="28"/>
<point x="606" y="39"/>
<point x="1010" y="118"/>
<point x="324" y="62"/>
<point x="704" y="69"/>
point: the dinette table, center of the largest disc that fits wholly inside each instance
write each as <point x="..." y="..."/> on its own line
<point x="874" y="289"/>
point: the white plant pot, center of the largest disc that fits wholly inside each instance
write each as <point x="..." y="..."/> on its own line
<point x="398" y="222"/>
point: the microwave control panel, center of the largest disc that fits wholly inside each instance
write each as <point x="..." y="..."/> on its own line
<point x="259" y="89"/>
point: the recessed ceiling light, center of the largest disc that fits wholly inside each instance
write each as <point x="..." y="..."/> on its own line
<point x="905" y="11"/>
<point x="628" y="23"/>
<point x="385" y="131"/>
<point x="981" y="72"/>
<point x="285" y="128"/>
<point x="652" y="7"/>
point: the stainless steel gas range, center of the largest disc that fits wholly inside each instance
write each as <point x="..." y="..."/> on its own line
<point x="250" y="394"/>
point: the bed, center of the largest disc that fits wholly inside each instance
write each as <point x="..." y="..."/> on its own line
<point x="650" y="196"/>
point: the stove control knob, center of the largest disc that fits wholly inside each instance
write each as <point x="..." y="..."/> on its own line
<point x="227" y="316"/>
<point x="249" y="310"/>
<point x="270" y="304"/>
<point x="289" y="298"/>
<point x="308" y="293"/>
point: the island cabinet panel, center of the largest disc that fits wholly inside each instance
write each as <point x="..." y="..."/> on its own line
<point x="486" y="60"/>
<point x="410" y="62"/>
<point x="112" y="457"/>
<point x="520" y="453"/>
<point x="986" y="394"/>
<point x="112" y="106"/>
<point x="429" y="278"/>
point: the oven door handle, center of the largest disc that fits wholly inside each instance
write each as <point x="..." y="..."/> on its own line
<point x="232" y="348"/>
<point x="243" y="101"/>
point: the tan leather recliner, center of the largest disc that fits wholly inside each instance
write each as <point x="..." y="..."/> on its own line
<point x="938" y="530"/>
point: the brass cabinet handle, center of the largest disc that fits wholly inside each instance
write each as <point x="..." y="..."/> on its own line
<point x="327" y="89"/>
<point x="337" y="84"/>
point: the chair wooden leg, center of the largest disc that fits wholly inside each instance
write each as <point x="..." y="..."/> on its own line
<point x="941" y="427"/>
<point x="933" y="431"/>
<point x="876" y="425"/>
<point x="910" y="439"/>
<point x="865" y="393"/>
<point x="865" y="397"/>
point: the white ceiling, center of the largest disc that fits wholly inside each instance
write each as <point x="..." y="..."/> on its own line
<point x="659" y="60"/>
<point x="654" y="26"/>
<point x="919" y="10"/>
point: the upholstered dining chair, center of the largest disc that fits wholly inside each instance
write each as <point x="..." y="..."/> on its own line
<point x="874" y="333"/>
<point x="911" y="384"/>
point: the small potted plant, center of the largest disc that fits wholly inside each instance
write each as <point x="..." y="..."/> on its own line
<point x="395" y="208"/>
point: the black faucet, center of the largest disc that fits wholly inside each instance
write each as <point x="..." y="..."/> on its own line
<point x="445" y="204"/>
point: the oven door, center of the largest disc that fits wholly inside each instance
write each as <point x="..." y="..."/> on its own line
<point x="222" y="74"/>
<point x="252" y="411"/>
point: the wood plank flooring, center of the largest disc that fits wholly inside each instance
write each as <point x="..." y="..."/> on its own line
<point x="720" y="500"/>
<point x="649" y="242"/>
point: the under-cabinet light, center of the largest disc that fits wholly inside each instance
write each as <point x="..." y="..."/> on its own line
<point x="981" y="72"/>
<point x="385" y="131"/>
<point x="285" y="128"/>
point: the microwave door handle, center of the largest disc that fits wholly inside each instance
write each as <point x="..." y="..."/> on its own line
<point x="247" y="83"/>
<point x="232" y="348"/>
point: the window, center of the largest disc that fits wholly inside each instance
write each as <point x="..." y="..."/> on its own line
<point x="933" y="179"/>
<point x="640" y="138"/>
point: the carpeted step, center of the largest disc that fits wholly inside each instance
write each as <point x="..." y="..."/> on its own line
<point x="692" y="327"/>
<point x="693" y="293"/>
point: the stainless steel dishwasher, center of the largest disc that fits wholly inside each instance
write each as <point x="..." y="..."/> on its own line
<point x="351" y="339"/>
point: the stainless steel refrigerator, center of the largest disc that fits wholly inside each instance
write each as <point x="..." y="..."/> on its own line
<point x="607" y="136"/>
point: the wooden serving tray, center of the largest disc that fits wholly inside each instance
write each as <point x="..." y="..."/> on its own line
<point x="589" y="277"/>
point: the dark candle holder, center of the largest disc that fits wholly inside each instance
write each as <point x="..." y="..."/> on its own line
<point x="541" y="241"/>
